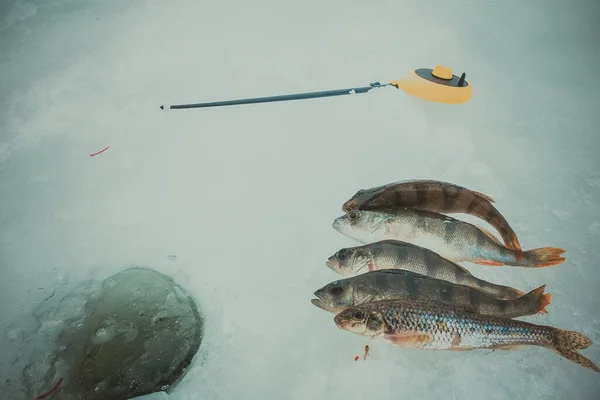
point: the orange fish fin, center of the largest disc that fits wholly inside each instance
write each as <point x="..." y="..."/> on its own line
<point x="513" y="244"/>
<point x="489" y="263"/>
<point x="409" y="339"/>
<point x="505" y="347"/>
<point x="544" y="257"/>
<point x="538" y="297"/>
<point x="459" y="348"/>
<point x="545" y="302"/>
<point x="455" y="345"/>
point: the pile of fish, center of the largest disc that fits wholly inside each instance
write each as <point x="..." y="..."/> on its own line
<point x="403" y="283"/>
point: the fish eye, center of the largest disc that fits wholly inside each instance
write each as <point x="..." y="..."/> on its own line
<point x="336" y="290"/>
<point x="354" y="215"/>
<point x="358" y="315"/>
<point x="342" y="253"/>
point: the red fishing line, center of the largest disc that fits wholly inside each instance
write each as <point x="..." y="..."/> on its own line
<point x="95" y="154"/>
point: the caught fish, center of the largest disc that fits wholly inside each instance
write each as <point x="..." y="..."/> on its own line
<point x="452" y="239"/>
<point x="435" y="196"/>
<point x="436" y="326"/>
<point x="394" y="254"/>
<point x="395" y="284"/>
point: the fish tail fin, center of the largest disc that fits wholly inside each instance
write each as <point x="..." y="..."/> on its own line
<point x="568" y="342"/>
<point x="545" y="302"/>
<point x="511" y="241"/>
<point x="539" y="298"/>
<point x="483" y="196"/>
<point x="543" y="257"/>
<point x="496" y="219"/>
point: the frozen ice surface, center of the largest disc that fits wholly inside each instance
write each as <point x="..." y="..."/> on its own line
<point x="244" y="196"/>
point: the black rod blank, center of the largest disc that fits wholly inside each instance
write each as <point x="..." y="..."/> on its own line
<point x="285" y="97"/>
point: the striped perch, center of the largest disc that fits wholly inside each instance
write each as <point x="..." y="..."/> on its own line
<point x="452" y="239"/>
<point x="395" y="254"/>
<point x="395" y="284"/>
<point x="435" y="196"/>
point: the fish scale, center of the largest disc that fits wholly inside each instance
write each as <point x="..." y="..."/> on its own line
<point x="449" y="329"/>
<point x="472" y="331"/>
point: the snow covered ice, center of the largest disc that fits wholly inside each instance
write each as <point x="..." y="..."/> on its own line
<point x="235" y="204"/>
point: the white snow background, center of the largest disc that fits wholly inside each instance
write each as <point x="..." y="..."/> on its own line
<point x="245" y="196"/>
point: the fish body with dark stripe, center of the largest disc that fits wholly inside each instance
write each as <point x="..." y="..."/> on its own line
<point x="452" y="239"/>
<point x="395" y="254"/>
<point x="435" y="326"/>
<point x="435" y="196"/>
<point x="394" y="284"/>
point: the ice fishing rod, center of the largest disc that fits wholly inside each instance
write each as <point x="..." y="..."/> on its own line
<point x="437" y="85"/>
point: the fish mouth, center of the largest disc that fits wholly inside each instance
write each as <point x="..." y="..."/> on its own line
<point x="330" y="264"/>
<point x="323" y="306"/>
<point x="340" y="321"/>
<point x="339" y="222"/>
<point x="319" y="303"/>
<point x="323" y="303"/>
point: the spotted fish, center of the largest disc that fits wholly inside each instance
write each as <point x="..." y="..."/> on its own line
<point x="436" y="196"/>
<point x="395" y="284"/>
<point x="452" y="239"/>
<point x="395" y="254"/>
<point x="435" y="326"/>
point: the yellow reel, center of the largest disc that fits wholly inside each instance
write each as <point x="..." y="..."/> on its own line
<point x="437" y="85"/>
